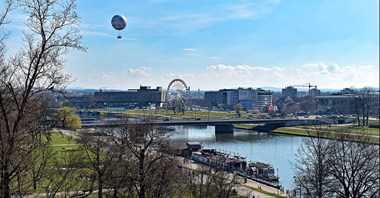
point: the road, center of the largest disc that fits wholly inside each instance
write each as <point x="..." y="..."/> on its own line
<point x="207" y="122"/>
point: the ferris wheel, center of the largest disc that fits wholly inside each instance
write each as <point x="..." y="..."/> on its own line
<point x="176" y="95"/>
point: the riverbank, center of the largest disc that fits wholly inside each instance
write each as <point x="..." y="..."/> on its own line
<point x="307" y="131"/>
<point x="246" y="187"/>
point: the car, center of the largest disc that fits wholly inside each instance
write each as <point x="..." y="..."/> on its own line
<point x="166" y="119"/>
<point x="197" y="118"/>
<point x="226" y="118"/>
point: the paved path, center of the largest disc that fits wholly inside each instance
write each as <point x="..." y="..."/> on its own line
<point x="242" y="190"/>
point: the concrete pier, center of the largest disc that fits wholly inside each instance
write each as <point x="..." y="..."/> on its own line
<point x="224" y="128"/>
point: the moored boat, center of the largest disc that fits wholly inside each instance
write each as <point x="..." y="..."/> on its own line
<point x="262" y="170"/>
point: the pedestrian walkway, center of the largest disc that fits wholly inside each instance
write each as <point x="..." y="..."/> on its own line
<point x="243" y="189"/>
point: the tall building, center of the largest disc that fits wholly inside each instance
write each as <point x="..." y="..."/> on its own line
<point x="264" y="99"/>
<point x="289" y="91"/>
<point x="143" y="97"/>
<point x="248" y="98"/>
<point x="213" y="98"/>
<point x="314" y="92"/>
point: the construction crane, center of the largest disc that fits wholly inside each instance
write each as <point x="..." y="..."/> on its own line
<point x="309" y="85"/>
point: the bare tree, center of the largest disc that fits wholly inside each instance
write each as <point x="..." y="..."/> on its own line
<point x="338" y="167"/>
<point x="210" y="182"/>
<point x="63" y="176"/>
<point x="307" y="104"/>
<point x="312" y="169"/>
<point x="150" y="162"/>
<point x="364" y="105"/>
<point x="38" y="162"/>
<point x="101" y="158"/>
<point x="355" y="166"/>
<point x="24" y="76"/>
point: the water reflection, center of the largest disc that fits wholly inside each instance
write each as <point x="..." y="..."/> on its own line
<point x="278" y="150"/>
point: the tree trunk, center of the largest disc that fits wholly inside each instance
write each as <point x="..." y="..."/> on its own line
<point x="367" y="115"/>
<point x="142" y="174"/>
<point x="5" y="180"/>
<point x="34" y="183"/>
<point x="357" y="111"/>
<point x="100" y="185"/>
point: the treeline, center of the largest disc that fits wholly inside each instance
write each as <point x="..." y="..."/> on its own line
<point x="135" y="160"/>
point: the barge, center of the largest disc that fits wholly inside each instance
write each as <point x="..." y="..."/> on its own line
<point x="258" y="171"/>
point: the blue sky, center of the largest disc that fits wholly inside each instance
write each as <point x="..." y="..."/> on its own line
<point x="217" y="44"/>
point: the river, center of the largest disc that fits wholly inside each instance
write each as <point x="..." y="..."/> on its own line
<point x="279" y="150"/>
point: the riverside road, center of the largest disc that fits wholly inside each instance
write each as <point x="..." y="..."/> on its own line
<point x="176" y="122"/>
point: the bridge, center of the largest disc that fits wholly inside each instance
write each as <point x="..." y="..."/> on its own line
<point x="221" y="125"/>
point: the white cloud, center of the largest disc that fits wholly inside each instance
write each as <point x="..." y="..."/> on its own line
<point x="334" y="75"/>
<point x="172" y="75"/>
<point x="213" y="57"/>
<point x="221" y="76"/>
<point x="140" y="71"/>
<point x="188" y="49"/>
<point x="323" y="68"/>
<point x="321" y="74"/>
<point x="193" y="54"/>
<point x="242" y="68"/>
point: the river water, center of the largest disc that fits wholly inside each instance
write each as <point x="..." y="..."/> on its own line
<point x="279" y="150"/>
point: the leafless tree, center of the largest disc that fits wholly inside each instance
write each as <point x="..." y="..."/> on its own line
<point x="38" y="162"/>
<point x="346" y="166"/>
<point x="365" y="105"/>
<point x="355" y="166"/>
<point x="66" y="176"/>
<point x="312" y="169"/>
<point x="307" y="104"/>
<point x="26" y="75"/>
<point x="101" y="158"/>
<point x="150" y="165"/>
<point x="210" y="182"/>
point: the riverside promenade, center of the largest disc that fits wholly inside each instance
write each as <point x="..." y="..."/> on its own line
<point x="245" y="187"/>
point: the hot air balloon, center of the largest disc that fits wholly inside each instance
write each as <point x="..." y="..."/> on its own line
<point x="119" y="22"/>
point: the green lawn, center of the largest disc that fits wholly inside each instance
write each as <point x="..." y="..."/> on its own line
<point x="162" y="113"/>
<point x="59" y="138"/>
<point x="374" y="123"/>
<point x="245" y="126"/>
<point x="301" y="130"/>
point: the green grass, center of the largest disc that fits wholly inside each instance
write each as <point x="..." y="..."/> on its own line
<point x="245" y="126"/>
<point x="350" y="127"/>
<point x="357" y="129"/>
<point x="62" y="145"/>
<point x="374" y="123"/>
<point x="59" y="138"/>
<point x="301" y="131"/>
<point x="161" y="113"/>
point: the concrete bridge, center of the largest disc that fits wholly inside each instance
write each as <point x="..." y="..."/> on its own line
<point x="221" y="125"/>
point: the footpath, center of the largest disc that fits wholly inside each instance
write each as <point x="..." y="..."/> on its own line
<point x="246" y="187"/>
